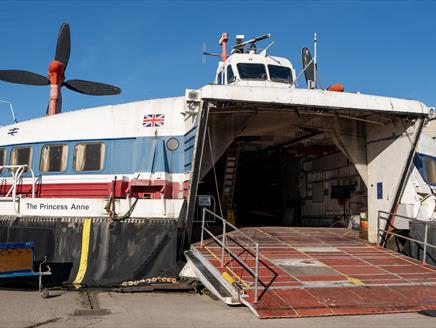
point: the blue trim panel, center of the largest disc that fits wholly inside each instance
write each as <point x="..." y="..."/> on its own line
<point x="16" y="245"/>
<point x="16" y="274"/>
<point x="122" y="156"/>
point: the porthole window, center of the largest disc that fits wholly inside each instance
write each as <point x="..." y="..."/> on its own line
<point x="89" y="156"/>
<point x="21" y="156"/>
<point x="2" y="159"/>
<point x="172" y="144"/>
<point x="53" y="158"/>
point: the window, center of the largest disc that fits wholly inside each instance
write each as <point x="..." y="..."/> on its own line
<point x="430" y="170"/>
<point x="89" y="156"/>
<point x="2" y="159"/>
<point x="53" y="158"/>
<point x="21" y="156"/>
<point x="252" y="71"/>
<point x="280" y="73"/>
<point x="230" y="75"/>
<point x="172" y="144"/>
<point x="219" y="78"/>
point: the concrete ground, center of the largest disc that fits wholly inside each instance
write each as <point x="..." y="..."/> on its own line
<point x="79" y="309"/>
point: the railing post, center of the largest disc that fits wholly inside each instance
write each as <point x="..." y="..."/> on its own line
<point x="202" y="226"/>
<point x="223" y="245"/>
<point x="33" y="181"/>
<point x="14" y="184"/>
<point x="425" y="243"/>
<point x="256" y="282"/>
<point x="378" y="228"/>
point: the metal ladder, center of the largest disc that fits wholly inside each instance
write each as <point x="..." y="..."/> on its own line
<point x="230" y="171"/>
<point x="248" y="245"/>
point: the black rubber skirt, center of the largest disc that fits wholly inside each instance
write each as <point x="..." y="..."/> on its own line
<point x="98" y="252"/>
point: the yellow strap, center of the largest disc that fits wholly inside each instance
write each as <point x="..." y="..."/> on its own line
<point x="228" y="277"/>
<point x="229" y="269"/>
<point x="86" y="232"/>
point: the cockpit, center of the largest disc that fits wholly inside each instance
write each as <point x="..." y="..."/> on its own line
<point x="247" y="67"/>
<point x="243" y="68"/>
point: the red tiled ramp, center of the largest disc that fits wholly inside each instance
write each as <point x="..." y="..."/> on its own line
<point x="289" y="303"/>
<point x="324" y="271"/>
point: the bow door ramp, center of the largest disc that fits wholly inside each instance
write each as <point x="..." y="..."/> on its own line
<point x="306" y="272"/>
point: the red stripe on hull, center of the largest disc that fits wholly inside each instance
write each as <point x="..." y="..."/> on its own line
<point x="153" y="189"/>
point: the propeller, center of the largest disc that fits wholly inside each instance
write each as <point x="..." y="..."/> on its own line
<point x="23" y="77"/>
<point x="63" y="45"/>
<point x="56" y="76"/>
<point x="92" y="88"/>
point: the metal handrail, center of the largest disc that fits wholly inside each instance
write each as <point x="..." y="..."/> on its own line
<point x="426" y="224"/>
<point x="17" y="171"/>
<point x="224" y="248"/>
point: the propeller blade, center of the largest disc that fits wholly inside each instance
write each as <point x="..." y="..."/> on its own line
<point x="23" y="77"/>
<point x="92" y="88"/>
<point x="63" y="46"/>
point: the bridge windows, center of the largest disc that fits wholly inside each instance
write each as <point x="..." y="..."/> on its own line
<point x="53" y="158"/>
<point x="252" y="71"/>
<point x="2" y="159"/>
<point x="280" y="74"/>
<point x="21" y="156"/>
<point x="89" y="156"/>
<point x="230" y="75"/>
<point x="219" y="78"/>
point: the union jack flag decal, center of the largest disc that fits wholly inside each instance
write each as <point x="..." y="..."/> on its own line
<point x="153" y="120"/>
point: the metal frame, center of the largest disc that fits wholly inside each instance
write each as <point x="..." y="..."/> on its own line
<point x="17" y="172"/>
<point x="16" y="176"/>
<point x="44" y="292"/>
<point x="382" y="233"/>
<point x="224" y="248"/>
<point x="11" y="108"/>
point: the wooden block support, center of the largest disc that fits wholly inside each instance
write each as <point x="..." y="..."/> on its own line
<point x="16" y="259"/>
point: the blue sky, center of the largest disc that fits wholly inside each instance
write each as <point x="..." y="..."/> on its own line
<point x="152" y="49"/>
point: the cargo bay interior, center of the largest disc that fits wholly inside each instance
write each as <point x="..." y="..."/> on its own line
<point x="273" y="167"/>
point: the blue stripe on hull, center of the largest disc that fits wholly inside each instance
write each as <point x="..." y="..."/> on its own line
<point x="124" y="156"/>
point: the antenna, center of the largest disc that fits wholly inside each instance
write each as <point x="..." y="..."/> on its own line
<point x="310" y="67"/>
<point x="12" y="109"/>
<point x="314" y="60"/>
<point x="223" y="43"/>
<point x="203" y="53"/>
<point x="263" y="52"/>
<point x="251" y="41"/>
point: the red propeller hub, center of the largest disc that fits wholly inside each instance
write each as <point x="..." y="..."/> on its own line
<point x="56" y="72"/>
